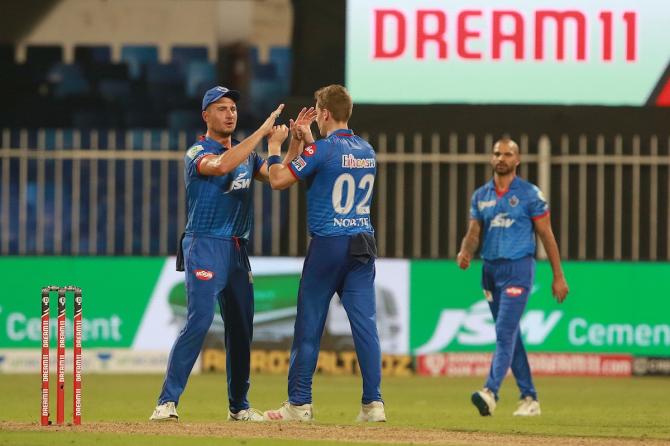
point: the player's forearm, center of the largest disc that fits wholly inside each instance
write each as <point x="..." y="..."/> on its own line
<point x="294" y="148"/>
<point x="230" y="159"/>
<point x="551" y="248"/>
<point x="470" y="244"/>
<point x="280" y="177"/>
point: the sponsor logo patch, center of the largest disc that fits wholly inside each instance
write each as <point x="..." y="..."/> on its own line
<point x="193" y="151"/>
<point x="485" y="204"/>
<point x="514" y="291"/>
<point x="351" y="162"/>
<point x="310" y="150"/>
<point x="299" y="163"/>
<point x="240" y="182"/>
<point x="513" y="201"/>
<point x="500" y="221"/>
<point x="203" y="274"/>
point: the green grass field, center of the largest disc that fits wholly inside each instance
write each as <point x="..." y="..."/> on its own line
<point x="420" y="410"/>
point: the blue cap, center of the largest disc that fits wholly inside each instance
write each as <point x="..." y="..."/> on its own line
<point x="216" y="93"/>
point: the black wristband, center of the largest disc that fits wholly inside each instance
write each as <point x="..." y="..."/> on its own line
<point x="273" y="159"/>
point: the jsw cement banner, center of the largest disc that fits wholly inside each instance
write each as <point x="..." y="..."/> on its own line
<point x="424" y="307"/>
<point x="140" y="304"/>
<point x="620" y="307"/>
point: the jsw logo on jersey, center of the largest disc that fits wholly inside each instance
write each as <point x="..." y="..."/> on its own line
<point x="240" y="182"/>
<point x="475" y="327"/>
<point x="499" y="221"/>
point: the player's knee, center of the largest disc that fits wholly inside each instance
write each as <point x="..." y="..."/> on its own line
<point x="198" y="325"/>
<point x="506" y="334"/>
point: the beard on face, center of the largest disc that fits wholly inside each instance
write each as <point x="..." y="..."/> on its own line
<point x="504" y="169"/>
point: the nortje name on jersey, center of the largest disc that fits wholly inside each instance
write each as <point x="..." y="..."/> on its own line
<point x="351" y="162"/>
<point x="351" y="222"/>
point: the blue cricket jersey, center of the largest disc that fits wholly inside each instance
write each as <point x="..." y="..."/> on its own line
<point x="340" y="174"/>
<point x="507" y="218"/>
<point x="219" y="205"/>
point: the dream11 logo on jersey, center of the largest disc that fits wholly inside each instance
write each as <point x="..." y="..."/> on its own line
<point x="490" y="30"/>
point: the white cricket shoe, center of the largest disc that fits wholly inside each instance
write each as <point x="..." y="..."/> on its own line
<point x="246" y="415"/>
<point x="485" y="401"/>
<point x="528" y="407"/>
<point x="373" y="412"/>
<point x="165" y="412"/>
<point x="290" y="412"/>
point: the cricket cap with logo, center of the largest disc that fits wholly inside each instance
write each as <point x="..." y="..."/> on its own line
<point x="216" y="93"/>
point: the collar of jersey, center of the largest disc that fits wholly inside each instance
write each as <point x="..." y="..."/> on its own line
<point x="492" y="186"/>
<point x="343" y="132"/>
<point x="210" y="142"/>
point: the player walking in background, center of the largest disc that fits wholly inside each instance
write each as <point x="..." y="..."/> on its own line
<point x="507" y="212"/>
<point x="218" y="171"/>
<point x="339" y="171"/>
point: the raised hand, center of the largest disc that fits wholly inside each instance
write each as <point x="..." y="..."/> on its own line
<point x="266" y="127"/>
<point x="300" y="127"/>
<point x="277" y="135"/>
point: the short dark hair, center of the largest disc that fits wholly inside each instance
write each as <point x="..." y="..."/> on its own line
<point x="336" y="99"/>
<point x="509" y="141"/>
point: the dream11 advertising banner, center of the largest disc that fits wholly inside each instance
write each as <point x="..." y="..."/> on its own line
<point x="614" y="52"/>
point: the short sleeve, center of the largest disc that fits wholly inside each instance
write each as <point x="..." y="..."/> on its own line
<point x="474" y="208"/>
<point x="307" y="163"/>
<point x="194" y="156"/>
<point x="537" y="204"/>
<point x="257" y="162"/>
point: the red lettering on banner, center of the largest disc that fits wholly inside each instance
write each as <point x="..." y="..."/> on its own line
<point x="631" y="32"/>
<point x="465" y="34"/>
<point x="423" y="36"/>
<point x="606" y="18"/>
<point x="380" y="33"/>
<point x="498" y="37"/>
<point x="542" y="364"/>
<point x="560" y="18"/>
<point x="506" y="27"/>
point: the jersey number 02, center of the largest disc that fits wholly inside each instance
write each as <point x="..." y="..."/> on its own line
<point x="346" y="180"/>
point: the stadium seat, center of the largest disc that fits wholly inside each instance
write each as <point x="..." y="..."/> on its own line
<point x="164" y="74"/>
<point x="282" y="58"/>
<point x="266" y="71"/>
<point x="97" y="73"/>
<point x="39" y="59"/>
<point x="185" y="120"/>
<point x="115" y="90"/>
<point x="137" y="56"/>
<point x="86" y="55"/>
<point x="165" y="85"/>
<point x="183" y="55"/>
<point x="200" y="76"/>
<point x="43" y="55"/>
<point x="67" y="80"/>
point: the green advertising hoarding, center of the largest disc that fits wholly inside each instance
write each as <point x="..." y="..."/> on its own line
<point x="615" y="307"/>
<point x="116" y="291"/>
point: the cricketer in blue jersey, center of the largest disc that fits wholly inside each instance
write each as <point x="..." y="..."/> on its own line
<point x="506" y="213"/>
<point x="339" y="172"/>
<point x="218" y="173"/>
